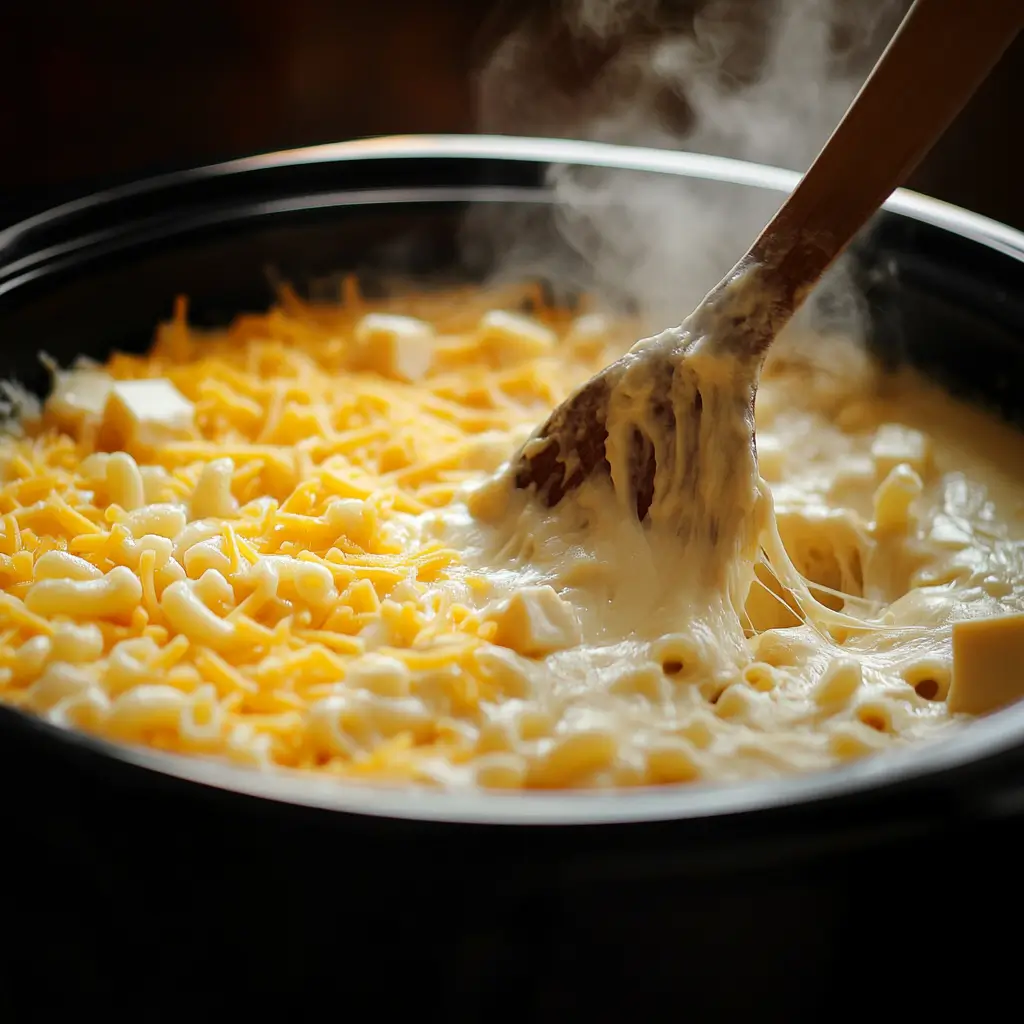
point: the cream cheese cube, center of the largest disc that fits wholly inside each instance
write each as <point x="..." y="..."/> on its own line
<point x="399" y="347"/>
<point x="534" y="621"/>
<point x="78" y="398"/>
<point x="988" y="664"/>
<point x="146" y="413"/>
<point x="511" y="338"/>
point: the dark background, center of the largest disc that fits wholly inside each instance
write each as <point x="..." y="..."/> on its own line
<point x="96" y="92"/>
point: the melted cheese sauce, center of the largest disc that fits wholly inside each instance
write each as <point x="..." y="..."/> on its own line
<point x="842" y="645"/>
<point x="691" y="653"/>
<point x="307" y="563"/>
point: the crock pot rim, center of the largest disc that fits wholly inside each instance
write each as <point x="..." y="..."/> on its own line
<point x="530" y="150"/>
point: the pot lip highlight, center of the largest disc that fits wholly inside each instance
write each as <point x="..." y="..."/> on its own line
<point x="969" y="745"/>
<point x="527" y="150"/>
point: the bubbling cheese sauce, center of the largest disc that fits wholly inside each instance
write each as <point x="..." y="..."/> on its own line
<point x="283" y="545"/>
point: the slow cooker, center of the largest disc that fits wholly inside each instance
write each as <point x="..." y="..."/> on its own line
<point x="145" y="885"/>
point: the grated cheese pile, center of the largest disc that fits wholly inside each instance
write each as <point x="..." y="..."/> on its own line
<point x="210" y="548"/>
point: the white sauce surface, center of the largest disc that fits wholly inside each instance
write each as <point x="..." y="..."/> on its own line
<point x="665" y="660"/>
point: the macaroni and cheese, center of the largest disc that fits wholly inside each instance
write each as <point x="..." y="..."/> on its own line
<point x="283" y="544"/>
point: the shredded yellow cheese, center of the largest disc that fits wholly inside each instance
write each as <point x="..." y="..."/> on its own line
<point x="206" y="549"/>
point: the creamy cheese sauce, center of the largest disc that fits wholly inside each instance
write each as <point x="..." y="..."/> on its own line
<point x="899" y="506"/>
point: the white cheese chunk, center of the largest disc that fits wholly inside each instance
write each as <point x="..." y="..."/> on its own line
<point x="510" y="338"/>
<point x="78" y="398"/>
<point x="146" y="413"/>
<point x="988" y="655"/>
<point x="534" y="621"/>
<point x="398" y="347"/>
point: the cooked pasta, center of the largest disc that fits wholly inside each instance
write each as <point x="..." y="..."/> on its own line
<point x="282" y="545"/>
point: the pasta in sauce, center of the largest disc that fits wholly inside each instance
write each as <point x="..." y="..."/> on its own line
<point x="284" y="545"/>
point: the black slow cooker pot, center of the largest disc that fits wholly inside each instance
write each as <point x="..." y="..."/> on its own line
<point x="143" y="885"/>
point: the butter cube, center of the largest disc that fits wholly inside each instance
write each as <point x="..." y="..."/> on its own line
<point x="78" y="398"/>
<point x="399" y="347"/>
<point x="510" y="338"/>
<point x="895" y="444"/>
<point x="534" y="621"/>
<point x="988" y="664"/>
<point x="145" y="413"/>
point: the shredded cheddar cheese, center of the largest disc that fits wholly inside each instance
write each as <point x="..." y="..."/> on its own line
<point x="218" y="531"/>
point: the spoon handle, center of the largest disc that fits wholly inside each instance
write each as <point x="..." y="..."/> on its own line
<point x="940" y="54"/>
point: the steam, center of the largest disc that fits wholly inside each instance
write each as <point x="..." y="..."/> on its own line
<point x="759" y="80"/>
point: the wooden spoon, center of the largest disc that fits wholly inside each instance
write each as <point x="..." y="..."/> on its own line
<point x="672" y="420"/>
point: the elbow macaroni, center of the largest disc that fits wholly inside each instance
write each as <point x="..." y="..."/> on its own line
<point x="259" y="545"/>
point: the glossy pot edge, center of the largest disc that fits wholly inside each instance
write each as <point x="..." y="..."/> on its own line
<point x="530" y="150"/>
<point x="973" y="744"/>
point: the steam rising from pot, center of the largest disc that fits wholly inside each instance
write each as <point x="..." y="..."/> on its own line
<point x="759" y="80"/>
